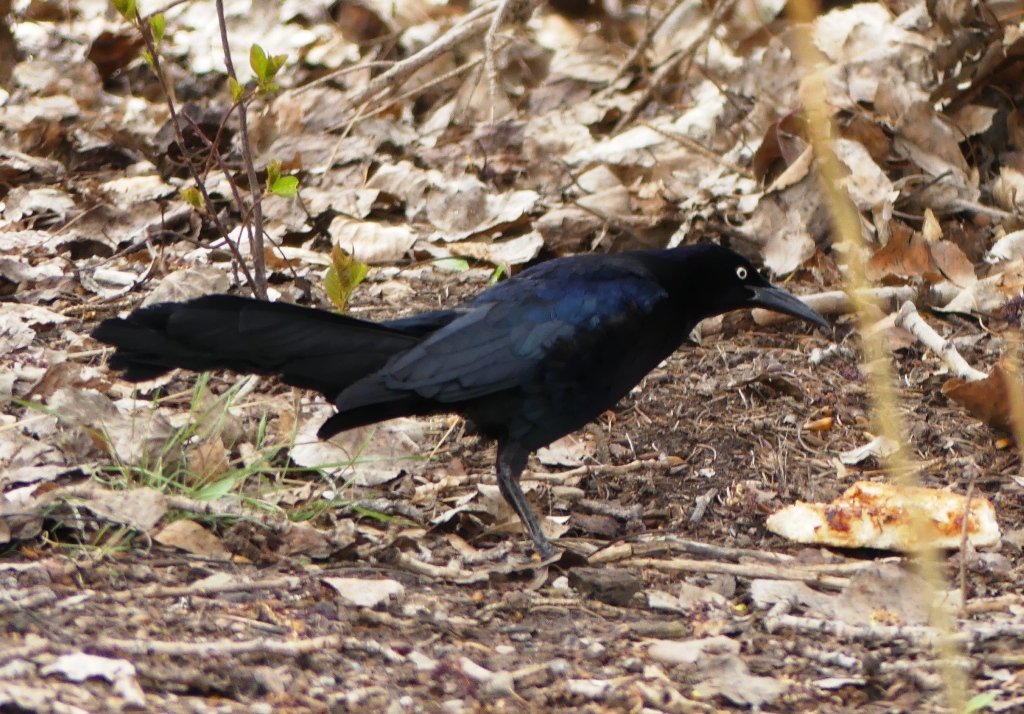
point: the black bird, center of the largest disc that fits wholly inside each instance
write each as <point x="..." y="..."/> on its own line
<point x="528" y="360"/>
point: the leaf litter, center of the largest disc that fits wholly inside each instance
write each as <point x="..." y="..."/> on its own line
<point x="439" y="178"/>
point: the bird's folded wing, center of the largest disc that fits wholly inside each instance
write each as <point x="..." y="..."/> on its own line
<point x="499" y="345"/>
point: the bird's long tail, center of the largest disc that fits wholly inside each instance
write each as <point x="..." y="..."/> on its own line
<point x="306" y="347"/>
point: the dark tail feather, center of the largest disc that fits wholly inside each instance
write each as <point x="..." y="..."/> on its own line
<point x="401" y="405"/>
<point x="307" y="348"/>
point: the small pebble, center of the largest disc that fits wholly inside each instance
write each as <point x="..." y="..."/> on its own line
<point x="558" y="667"/>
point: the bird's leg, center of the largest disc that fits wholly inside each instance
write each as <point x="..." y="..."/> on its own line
<point x="511" y="462"/>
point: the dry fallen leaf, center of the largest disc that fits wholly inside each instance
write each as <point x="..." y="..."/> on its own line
<point x="986" y="399"/>
<point x="192" y="537"/>
<point x="906" y="256"/>
<point x="360" y="592"/>
<point x="208" y="461"/>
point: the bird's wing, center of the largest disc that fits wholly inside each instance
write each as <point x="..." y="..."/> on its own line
<point x="501" y="341"/>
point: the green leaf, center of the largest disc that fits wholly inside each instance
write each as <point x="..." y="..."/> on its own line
<point x="129" y="11"/>
<point x="342" y="277"/>
<point x="273" y="171"/>
<point x="285" y="187"/>
<point x="496" y="275"/>
<point x="236" y="90"/>
<point x="192" y="197"/>
<point x="452" y="265"/>
<point x="217" y="489"/>
<point x="981" y="701"/>
<point x="149" y="60"/>
<point x="157" y="25"/>
<point x="274" y="64"/>
<point x="259" y="63"/>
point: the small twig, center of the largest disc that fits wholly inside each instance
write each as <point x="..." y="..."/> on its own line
<point x="826" y="575"/>
<point x="829" y="658"/>
<point x="672" y="64"/>
<point x="274" y="521"/>
<point x="221" y="648"/>
<point x="910" y="320"/>
<point x="256" y="228"/>
<point x="645" y="41"/>
<point x="490" y="64"/>
<point x="473" y="24"/>
<point x="599" y="470"/>
<point x="701" y="503"/>
<point x="451" y="571"/>
<point x="34" y="647"/>
<point x="700" y="149"/>
<point x="977" y="208"/>
<point x="159" y="591"/>
<point x="18" y="600"/>
<point x="175" y="119"/>
<point x="916" y="634"/>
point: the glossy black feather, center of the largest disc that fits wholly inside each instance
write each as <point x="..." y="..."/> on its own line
<point x="529" y="360"/>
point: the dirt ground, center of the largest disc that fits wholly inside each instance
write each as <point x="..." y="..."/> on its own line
<point x="479" y="626"/>
<point x="156" y="558"/>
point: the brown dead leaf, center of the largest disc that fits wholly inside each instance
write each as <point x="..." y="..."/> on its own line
<point x="863" y="130"/>
<point x="193" y="538"/>
<point x="986" y="399"/>
<point x="113" y="51"/>
<point x="906" y="256"/>
<point x="953" y="263"/>
<point x="140" y="508"/>
<point x="208" y="461"/>
<point x="783" y="142"/>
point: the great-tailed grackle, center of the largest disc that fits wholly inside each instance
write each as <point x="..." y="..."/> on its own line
<point x="529" y="360"/>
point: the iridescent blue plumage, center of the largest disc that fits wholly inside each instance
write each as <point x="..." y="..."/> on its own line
<point x="528" y="360"/>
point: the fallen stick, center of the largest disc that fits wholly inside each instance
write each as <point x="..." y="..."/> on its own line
<point x="909" y="319"/>
<point x="219" y="648"/>
<point x="290" y="582"/>
<point x="819" y="575"/>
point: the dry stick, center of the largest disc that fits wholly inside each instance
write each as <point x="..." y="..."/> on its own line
<point x="885" y="409"/>
<point x="218" y="648"/>
<point x="672" y="63"/>
<point x="699" y="148"/>
<point x="601" y="470"/>
<point x="820" y="575"/>
<point x="334" y="74"/>
<point x="167" y="89"/>
<point x="910" y="320"/>
<point x="274" y="522"/>
<point x="475" y="23"/>
<point x="361" y="114"/>
<point x="644" y="42"/>
<point x="916" y="634"/>
<point x="256" y="229"/>
<point x="505" y="8"/>
<point x="16" y="600"/>
<point x="36" y="646"/>
<point x="290" y="582"/>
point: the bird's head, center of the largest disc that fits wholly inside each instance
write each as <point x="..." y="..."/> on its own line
<point x="724" y="280"/>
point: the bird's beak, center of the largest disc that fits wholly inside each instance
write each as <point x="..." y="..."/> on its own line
<point x="773" y="298"/>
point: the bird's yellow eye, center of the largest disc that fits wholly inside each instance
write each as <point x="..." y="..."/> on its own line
<point x="741" y="273"/>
